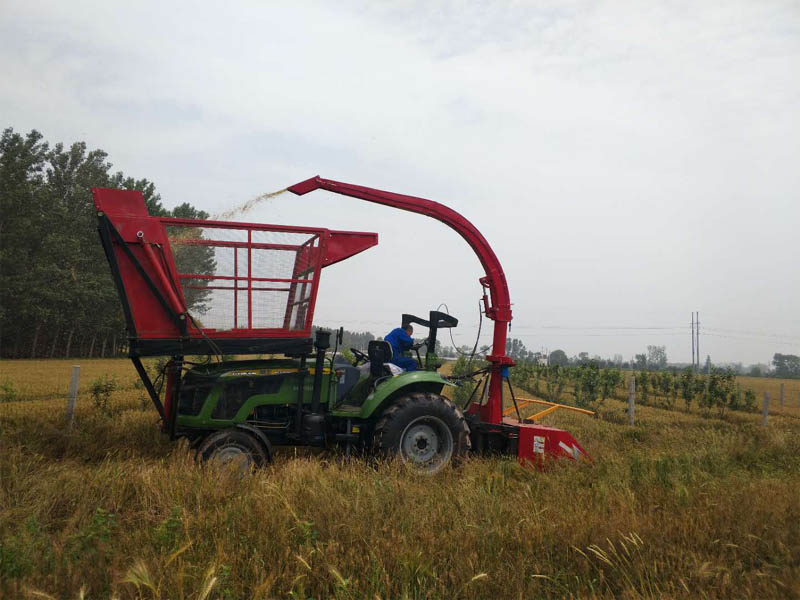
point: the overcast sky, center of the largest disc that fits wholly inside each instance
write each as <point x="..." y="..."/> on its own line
<point x="629" y="162"/>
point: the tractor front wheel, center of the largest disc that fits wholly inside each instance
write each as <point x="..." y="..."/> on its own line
<point x="426" y="431"/>
<point x="233" y="447"/>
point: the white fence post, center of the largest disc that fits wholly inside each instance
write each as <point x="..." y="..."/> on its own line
<point x="73" y="394"/>
<point x="765" y="409"/>
<point x="631" y="399"/>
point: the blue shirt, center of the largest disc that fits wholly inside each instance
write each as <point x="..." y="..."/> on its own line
<point x="400" y="341"/>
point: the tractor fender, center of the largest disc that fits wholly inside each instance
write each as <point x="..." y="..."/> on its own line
<point x="260" y="436"/>
<point x="405" y="383"/>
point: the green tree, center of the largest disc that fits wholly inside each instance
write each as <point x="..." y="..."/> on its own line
<point x="701" y="391"/>
<point x="749" y="400"/>
<point x="190" y="258"/>
<point x="558" y="357"/>
<point x="461" y="368"/>
<point x="687" y="385"/>
<point x="609" y="380"/>
<point x="588" y="385"/>
<point x="24" y="218"/>
<point x="719" y="390"/>
<point x="57" y="295"/>
<point x="786" y="365"/>
<point x="555" y="379"/>
<point x="643" y="383"/>
<point x="657" y="357"/>
<point x="516" y="349"/>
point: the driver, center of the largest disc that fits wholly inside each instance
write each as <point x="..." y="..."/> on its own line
<point x="400" y="340"/>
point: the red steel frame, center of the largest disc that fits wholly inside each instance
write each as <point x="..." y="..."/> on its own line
<point x="236" y="278"/>
<point x="497" y="306"/>
<point x="533" y="441"/>
<point x="301" y="327"/>
<point x="140" y="253"/>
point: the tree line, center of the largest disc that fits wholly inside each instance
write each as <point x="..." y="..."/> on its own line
<point x="57" y="298"/>
<point x="654" y="359"/>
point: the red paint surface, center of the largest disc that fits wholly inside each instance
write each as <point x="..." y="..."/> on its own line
<point x="537" y="443"/>
<point x="147" y="239"/>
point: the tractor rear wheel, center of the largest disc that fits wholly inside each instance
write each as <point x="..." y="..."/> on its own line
<point x="425" y="430"/>
<point x="233" y="447"/>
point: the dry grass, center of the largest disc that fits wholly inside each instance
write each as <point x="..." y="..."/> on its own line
<point x="760" y="385"/>
<point x="46" y="379"/>
<point x="678" y="506"/>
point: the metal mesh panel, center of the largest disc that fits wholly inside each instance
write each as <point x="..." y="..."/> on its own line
<point x="241" y="279"/>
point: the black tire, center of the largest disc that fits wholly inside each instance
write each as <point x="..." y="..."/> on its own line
<point x="230" y="446"/>
<point x="427" y="431"/>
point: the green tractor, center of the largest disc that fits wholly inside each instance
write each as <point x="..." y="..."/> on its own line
<point x="240" y="410"/>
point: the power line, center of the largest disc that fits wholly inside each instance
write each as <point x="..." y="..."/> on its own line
<point x="618" y="330"/>
<point x="605" y="327"/>
<point x="642" y="334"/>
<point x="750" y="339"/>
<point x="755" y="333"/>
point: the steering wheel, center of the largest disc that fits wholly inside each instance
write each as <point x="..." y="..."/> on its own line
<point x="360" y="356"/>
<point x="419" y="345"/>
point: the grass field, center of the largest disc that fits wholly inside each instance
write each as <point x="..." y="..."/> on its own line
<point x="679" y="506"/>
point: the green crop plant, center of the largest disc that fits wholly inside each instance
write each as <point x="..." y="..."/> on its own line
<point x="587" y="384"/>
<point x="749" y="403"/>
<point x="609" y="380"/>
<point x="8" y="393"/>
<point x="687" y="384"/>
<point x="643" y="383"/>
<point x="664" y="380"/>
<point x="556" y="378"/>
<point x="101" y="390"/>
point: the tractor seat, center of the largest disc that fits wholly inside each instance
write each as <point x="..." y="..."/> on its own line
<point x="380" y="359"/>
<point x="389" y="369"/>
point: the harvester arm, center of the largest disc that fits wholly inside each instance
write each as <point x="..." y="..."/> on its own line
<point x="497" y="307"/>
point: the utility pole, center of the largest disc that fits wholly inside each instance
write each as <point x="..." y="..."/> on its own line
<point x="693" y="340"/>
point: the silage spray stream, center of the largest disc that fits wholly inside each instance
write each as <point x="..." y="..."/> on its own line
<point x="246" y="207"/>
<point x="177" y="234"/>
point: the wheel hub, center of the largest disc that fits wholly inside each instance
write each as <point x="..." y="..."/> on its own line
<point x="421" y="443"/>
<point x="232" y="455"/>
<point x="427" y="443"/>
